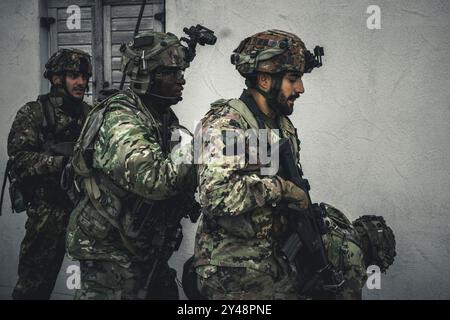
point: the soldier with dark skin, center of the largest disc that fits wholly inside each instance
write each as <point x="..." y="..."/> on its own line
<point x="39" y="145"/>
<point x="134" y="192"/>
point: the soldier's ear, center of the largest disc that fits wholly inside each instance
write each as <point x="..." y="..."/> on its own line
<point x="56" y="79"/>
<point x="264" y="81"/>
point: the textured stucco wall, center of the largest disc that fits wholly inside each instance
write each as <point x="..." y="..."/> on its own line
<point x="374" y="121"/>
<point x="19" y="30"/>
<point x="23" y="48"/>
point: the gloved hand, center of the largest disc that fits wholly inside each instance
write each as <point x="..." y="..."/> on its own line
<point x="293" y="195"/>
<point x="181" y="154"/>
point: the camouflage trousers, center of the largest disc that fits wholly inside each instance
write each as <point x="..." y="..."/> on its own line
<point x="106" y="280"/>
<point x="42" y="251"/>
<point x="235" y="283"/>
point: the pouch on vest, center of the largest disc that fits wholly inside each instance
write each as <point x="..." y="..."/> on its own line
<point x="91" y="222"/>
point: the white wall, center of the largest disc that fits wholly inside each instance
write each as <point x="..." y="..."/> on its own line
<point x="20" y="82"/>
<point x="23" y="51"/>
<point x="374" y="120"/>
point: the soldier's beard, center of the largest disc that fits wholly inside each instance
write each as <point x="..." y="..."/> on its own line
<point x="275" y="98"/>
<point x="280" y="103"/>
<point x="67" y="93"/>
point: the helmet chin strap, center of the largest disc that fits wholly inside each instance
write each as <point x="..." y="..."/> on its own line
<point x="164" y="99"/>
<point x="172" y="100"/>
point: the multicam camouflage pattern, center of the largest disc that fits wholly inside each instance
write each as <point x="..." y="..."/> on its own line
<point x="271" y="51"/>
<point x="236" y="229"/>
<point x="162" y="50"/>
<point x="128" y="152"/>
<point x="247" y="284"/>
<point x="240" y="227"/>
<point x="68" y="60"/>
<point x="104" y="280"/>
<point x="39" y="171"/>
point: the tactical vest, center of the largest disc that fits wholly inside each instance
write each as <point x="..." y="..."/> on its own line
<point x="256" y="228"/>
<point x="346" y="242"/>
<point x="256" y="122"/>
<point x="344" y="246"/>
<point x="94" y="183"/>
<point x="52" y="145"/>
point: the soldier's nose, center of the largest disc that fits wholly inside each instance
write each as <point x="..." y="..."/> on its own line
<point x="299" y="88"/>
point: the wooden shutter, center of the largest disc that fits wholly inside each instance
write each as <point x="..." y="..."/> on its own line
<point x="62" y="37"/>
<point x="105" y="24"/>
<point x="119" y="24"/>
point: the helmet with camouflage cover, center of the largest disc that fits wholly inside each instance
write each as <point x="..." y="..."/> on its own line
<point x="277" y="53"/>
<point x="271" y="51"/>
<point x="68" y="60"/>
<point x="377" y="240"/>
<point x="148" y="51"/>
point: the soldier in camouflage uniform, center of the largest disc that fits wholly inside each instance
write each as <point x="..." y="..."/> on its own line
<point x="238" y="241"/>
<point x="127" y="224"/>
<point x="39" y="144"/>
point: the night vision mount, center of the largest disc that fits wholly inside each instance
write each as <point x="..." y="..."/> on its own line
<point x="197" y="35"/>
<point x="313" y="61"/>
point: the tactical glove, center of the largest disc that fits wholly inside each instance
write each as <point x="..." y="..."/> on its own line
<point x="293" y="195"/>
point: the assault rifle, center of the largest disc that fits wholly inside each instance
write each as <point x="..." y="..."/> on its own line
<point x="304" y="247"/>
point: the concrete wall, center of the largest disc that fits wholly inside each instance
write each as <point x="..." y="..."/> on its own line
<point x="374" y="121"/>
<point x="24" y="48"/>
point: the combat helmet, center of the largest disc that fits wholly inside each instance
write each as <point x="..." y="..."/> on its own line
<point x="148" y="51"/>
<point x="377" y="241"/>
<point x="274" y="51"/>
<point x="68" y="60"/>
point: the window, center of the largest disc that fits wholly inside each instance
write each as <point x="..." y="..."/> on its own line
<point x="99" y="27"/>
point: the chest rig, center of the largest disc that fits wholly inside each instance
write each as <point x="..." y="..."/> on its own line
<point x="131" y="212"/>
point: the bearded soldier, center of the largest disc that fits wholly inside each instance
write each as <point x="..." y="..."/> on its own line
<point x="40" y="143"/>
<point x="240" y="250"/>
<point x="134" y="190"/>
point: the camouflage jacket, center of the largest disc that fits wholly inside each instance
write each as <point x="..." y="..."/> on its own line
<point x="239" y="225"/>
<point x="143" y="217"/>
<point x="31" y="139"/>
